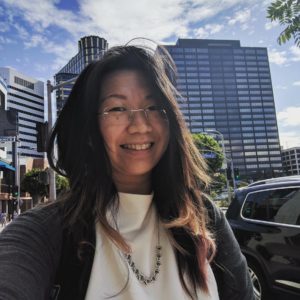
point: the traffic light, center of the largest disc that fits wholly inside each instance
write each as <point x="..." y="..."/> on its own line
<point x="15" y="192"/>
<point x="228" y="173"/>
<point x="236" y="173"/>
<point x="42" y="136"/>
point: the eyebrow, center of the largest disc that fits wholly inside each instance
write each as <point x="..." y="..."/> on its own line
<point x="122" y="97"/>
<point x="114" y="96"/>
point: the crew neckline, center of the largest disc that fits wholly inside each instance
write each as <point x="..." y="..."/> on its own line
<point x="134" y="203"/>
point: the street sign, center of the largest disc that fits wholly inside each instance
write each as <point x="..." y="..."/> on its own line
<point x="209" y="155"/>
<point x="7" y="139"/>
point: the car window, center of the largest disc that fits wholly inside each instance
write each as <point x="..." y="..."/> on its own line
<point x="277" y="205"/>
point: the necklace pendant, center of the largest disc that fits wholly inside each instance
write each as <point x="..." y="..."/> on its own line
<point x="139" y="275"/>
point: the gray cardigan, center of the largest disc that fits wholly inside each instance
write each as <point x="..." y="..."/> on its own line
<point x="38" y="261"/>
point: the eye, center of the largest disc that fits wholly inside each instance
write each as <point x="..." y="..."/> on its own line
<point x="154" y="108"/>
<point x="117" y="109"/>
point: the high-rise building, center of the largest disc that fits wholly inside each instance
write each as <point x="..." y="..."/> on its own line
<point x="291" y="161"/>
<point x="25" y="95"/>
<point x="228" y="88"/>
<point x="3" y="94"/>
<point x="90" y="48"/>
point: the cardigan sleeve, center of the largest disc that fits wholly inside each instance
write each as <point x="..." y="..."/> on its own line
<point x="229" y="264"/>
<point x="29" y="254"/>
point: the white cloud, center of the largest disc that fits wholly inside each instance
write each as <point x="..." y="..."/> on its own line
<point x="280" y="87"/>
<point x="289" y="139"/>
<point x="270" y="25"/>
<point x="119" y="21"/>
<point x="4" y="27"/>
<point x="289" y="116"/>
<point x="22" y="32"/>
<point x="242" y="17"/>
<point x="123" y="20"/>
<point x="295" y="52"/>
<point x="277" y="57"/>
<point x="35" y="40"/>
<point x="201" y="33"/>
<point x="297" y="83"/>
<point x="63" y="52"/>
<point x="6" y="40"/>
<point x="207" y="30"/>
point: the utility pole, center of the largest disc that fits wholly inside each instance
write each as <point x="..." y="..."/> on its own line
<point x="16" y="163"/>
<point x="52" y="185"/>
<point x="50" y="89"/>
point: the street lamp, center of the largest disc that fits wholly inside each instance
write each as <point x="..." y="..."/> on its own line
<point x="51" y="113"/>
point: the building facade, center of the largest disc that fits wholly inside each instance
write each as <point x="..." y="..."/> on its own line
<point x="228" y="88"/>
<point x="291" y="161"/>
<point x="25" y="95"/>
<point x="3" y="94"/>
<point x="90" y="48"/>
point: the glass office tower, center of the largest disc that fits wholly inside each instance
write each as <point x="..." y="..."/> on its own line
<point x="90" y="48"/>
<point x="228" y="88"/>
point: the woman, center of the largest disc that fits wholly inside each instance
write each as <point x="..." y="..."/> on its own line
<point x="135" y="223"/>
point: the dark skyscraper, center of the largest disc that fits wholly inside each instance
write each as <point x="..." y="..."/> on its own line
<point x="90" y="48"/>
<point x="228" y="88"/>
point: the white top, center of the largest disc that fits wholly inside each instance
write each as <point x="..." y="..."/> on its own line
<point x="137" y="222"/>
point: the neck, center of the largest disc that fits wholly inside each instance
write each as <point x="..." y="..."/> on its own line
<point x="133" y="184"/>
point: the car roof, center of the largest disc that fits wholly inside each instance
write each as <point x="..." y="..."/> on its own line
<point x="269" y="184"/>
<point x="241" y="193"/>
<point x="276" y="180"/>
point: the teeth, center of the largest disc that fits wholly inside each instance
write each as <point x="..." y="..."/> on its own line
<point x="137" y="146"/>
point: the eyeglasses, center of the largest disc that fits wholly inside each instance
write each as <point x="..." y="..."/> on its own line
<point x="124" y="116"/>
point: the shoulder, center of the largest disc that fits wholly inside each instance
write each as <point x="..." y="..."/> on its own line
<point x="229" y="265"/>
<point x="214" y="214"/>
<point x="44" y="222"/>
<point x="42" y="216"/>
<point x="30" y="248"/>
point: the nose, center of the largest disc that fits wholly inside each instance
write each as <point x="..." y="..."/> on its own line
<point x="139" y="122"/>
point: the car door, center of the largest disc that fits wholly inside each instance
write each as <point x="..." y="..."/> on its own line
<point x="275" y="217"/>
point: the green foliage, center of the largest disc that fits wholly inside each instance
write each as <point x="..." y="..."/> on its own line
<point x="62" y="183"/>
<point x="207" y="144"/>
<point x="32" y="185"/>
<point x="218" y="182"/>
<point x="287" y="12"/>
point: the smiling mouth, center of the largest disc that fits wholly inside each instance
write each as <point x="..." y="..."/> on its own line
<point x="137" y="147"/>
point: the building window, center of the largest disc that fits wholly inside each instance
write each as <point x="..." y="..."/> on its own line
<point x="24" y="83"/>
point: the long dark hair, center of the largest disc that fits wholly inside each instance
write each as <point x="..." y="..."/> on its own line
<point x="177" y="180"/>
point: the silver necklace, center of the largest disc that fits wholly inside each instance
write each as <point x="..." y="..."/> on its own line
<point x="138" y="274"/>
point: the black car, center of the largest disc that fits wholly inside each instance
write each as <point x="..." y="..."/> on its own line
<point x="265" y="218"/>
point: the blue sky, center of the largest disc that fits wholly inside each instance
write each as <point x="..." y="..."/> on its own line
<point x="38" y="37"/>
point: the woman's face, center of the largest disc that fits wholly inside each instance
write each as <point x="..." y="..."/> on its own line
<point x="134" y="143"/>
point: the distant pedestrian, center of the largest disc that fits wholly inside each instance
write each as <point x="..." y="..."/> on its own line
<point x="136" y="224"/>
<point x="3" y="219"/>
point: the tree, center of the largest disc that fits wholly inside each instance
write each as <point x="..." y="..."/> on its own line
<point x="33" y="184"/>
<point x="62" y="183"/>
<point x="218" y="182"/>
<point x="211" y="151"/>
<point x="287" y="12"/>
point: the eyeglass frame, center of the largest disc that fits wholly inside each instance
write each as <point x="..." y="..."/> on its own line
<point x="131" y="113"/>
